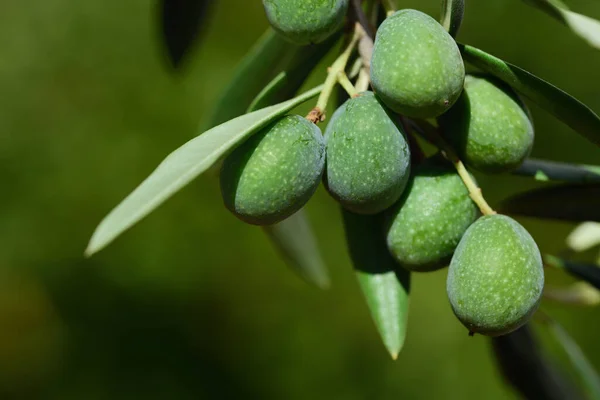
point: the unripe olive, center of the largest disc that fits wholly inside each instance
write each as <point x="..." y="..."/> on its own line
<point x="496" y="276"/>
<point x="275" y="172"/>
<point x="489" y="126"/>
<point x="431" y="218"/>
<point x="368" y="160"/>
<point x="416" y="69"/>
<point x="306" y="21"/>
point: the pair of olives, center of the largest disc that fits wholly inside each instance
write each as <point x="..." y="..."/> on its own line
<point x="495" y="278"/>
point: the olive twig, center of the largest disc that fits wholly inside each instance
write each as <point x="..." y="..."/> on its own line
<point x="317" y="114"/>
<point x="429" y="132"/>
<point x="363" y="81"/>
<point x="343" y="80"/>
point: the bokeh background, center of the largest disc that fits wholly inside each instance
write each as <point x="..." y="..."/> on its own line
<point x="191" y="303"/>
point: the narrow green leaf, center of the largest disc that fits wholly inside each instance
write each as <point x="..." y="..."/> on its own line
<point x="183" y="165"/>
<point x="385" y="285"/>
<point x="577" y="294"/>
<point x="524" y="366"/>
<point x="586" y="370"/>
<point x="585" y="27"/>
<point x="570" y="202"/>
<point x="263" y="99"/>
<point x="452" y="15"/>
<point x="545" y="170"/>
<point x="557" y="102"/>
<point x="270" y="56"/>
<point x="589" y="273"/>
<point x="297" y="245"/>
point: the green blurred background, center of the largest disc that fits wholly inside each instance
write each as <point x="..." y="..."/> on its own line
<point x="191" y="303"/>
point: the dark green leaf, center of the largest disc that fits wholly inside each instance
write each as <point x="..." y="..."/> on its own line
<point x="269" y="57"/>
<point x="572" y="202"/>
<point x="452" y="15"/>
<point x="297" y="245"/>
<point x="557" y="102"/>
<point x="385" y="285"/>
<point x="586" y="272"/>
<point x="586" y="27"/>
<point x="557" y="171"/>
<point x="526" y="369"/>
<point x="182" y="22"/>
<point x="183" y="165"/>
<point x="588" y="374"/>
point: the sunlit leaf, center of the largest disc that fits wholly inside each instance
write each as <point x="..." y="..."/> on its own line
<point x="586" y="272"/>
<point x="589" y="376"/>
<point x="185" y="164"/>
<point x="559" y="171"/>
<point x="576" y="294"/>
<point x="528" y="370"/>
<point x="182" y="22"/>
<point x="557" y="102"/>
<point x="585" y="236"/>
<point x="586" y="27"/>
<point x="452" y="15"/>
<point x="569" y="202"/>
<point x="297" y="245"/>
<point x="385" y="285"/>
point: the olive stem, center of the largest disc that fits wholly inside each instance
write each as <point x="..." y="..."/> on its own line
<point x="363" y="81"/>
<point x="430" y="133"/>
<point x="317" y="114"/>
<point x="343" y="80"/>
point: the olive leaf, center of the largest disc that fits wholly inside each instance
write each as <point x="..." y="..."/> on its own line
<point x="569" y="202"/>
<point x="268" y="58"/>
<point x="545" y="170"/>
<point x="182" y="22"/>
<point x="185" y="164"/>
<point x="528" y="370"/>
<point x="584" y="237"/>
<point x="385" y="285"/>
<point x="585" y="27"/>
<point x="586" y="272"/>
<point x="297" y="245"/>
<point x="557" y="102"/>
<point x="586" y="371"/>
<point x="452" y="15"/>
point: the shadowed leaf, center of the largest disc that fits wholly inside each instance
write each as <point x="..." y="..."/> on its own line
<point x="452" y="15"/>
<point x="268" y="58"/>
<point x="589" y="376"/>
<point x="557" y="102"/>
<point x="585" y="27"/>
<point x="184" y="165"/>
<point x="297" y="245"/>
<point x="182" y="22"/>
<point x="527" y="370"/>
<point x="586" y="272"/>
<point x="570" y="202"/>
<point x="559" y="171"/>
<point x="385" y="285"/>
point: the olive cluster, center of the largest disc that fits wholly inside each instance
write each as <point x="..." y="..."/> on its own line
<point x="495" y="277"/>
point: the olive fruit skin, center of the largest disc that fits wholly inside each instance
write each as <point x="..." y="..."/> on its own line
<point x="368" y="159"/>
<point x="489" y="126"/>
<point x="275" y="172"/>
<point x="416" y="69"/>
<point x="430" y="219"/>
<point x="306" y="21"/>
<point x="496" y="277"/>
